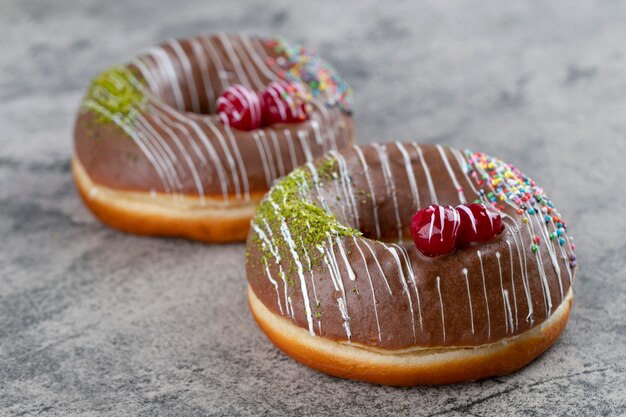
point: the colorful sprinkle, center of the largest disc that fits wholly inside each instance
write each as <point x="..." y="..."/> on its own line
<point x="509" y="185"/>
<point x="300" y="64"/>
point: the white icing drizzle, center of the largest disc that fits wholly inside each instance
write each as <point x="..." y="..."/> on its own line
<point x="166" y="168"/>
<point x="330" y="124"/>
<point x="303" y="136"/>
<point x="515" y="229"/>
<point x="290" y="305"/>
<point x="256" y="58"/>
<point x="338" y="283"/>
<point x="409" y="268"/>
<point x="344" y="178"/>
<point x="508" y="243"/>
<point x="343" y="309"/>
<point x="366" y="171"/>
<point x="209" y="90"/>
<point x="369" y="278"/>
<point x="269" y="245"/>
<point x="229" y="156"/>
<point x="542" y="272"/>
<point x="504" y="294"/>
<point x="133" y="135"/>
<point x="161" y="159"/>
<point x="281" y="274"/>
<point x="446" y="162"/>
<point x="310" y="268"/>
<point x="279" y="156"/>
<point x="153" y="84"/>
<point x="165" y="120"/>
<point x="545" y="236"/>
<point x="315" y="125"/>
<point x="216" y="60"/>
<point x="274" y="251"/>
<point x="390" y="184"/>
<point x="163" y="149"/>
<point x="232" y="56"/>
<point x="168" y="71"/>
<point x="186" y="156"/>
<point x="264" y="161"/>
<point x="315" y="176"/>
<point x="247" y="64"/>
<point x="292" y="149"/>
<point x="208" y="146"/>
<point x="345" y="260"/>
<point x="563" y="253"/>
<point x="469" y="298"/>
<point x="303" y="286"/>
<point x="508" y="310"/>
<point x="431" y="186"/>
<point x="410" y="175"/>
<point x="443" y="316"/>
<point x="268" y="152"/>
<point x="240" y="163"/>
<point x="482" y="271"/>
<point x="523" y="266"/>
<point x="551" y="251"/>
<point x="405" y="287"/>
<point x="380" y="269"/>
<point x="183" y="59"/>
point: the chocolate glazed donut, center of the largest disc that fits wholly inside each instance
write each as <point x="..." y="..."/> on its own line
<point x="153" y="157"/>
<point x="335" y="283"/>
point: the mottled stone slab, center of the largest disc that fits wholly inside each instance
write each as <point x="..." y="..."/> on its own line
<point x="95" y="322"/>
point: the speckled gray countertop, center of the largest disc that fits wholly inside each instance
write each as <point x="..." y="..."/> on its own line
<point x="96" y="322"/>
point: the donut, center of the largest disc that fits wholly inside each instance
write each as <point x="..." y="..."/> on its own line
<point x="407" y="263"/>
<point x="186" y="138"/>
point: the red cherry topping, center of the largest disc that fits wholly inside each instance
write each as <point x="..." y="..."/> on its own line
<point x="478" y="223"/>
<point x="284" y="102"/>
<point x="240" y="108"/>
<point x="435" y="229"/>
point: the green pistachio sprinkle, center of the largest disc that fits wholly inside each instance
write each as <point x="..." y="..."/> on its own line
<point x="115" y="96"/>
<point x="289" y="205"/>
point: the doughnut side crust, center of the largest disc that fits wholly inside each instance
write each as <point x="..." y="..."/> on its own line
<point x="159" y="215"/>
<point x="408" y="367"/>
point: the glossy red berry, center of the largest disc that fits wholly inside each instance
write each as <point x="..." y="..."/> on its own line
<point x="240" y="108"/>
<point x="434" y="230"/>
<point x="478" y="223"/>
<point x="284" y="102"/>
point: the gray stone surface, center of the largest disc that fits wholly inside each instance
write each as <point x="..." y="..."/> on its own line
<point x="95" y="322"/>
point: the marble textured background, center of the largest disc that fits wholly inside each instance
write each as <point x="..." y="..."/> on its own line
<point x="95" y="322"/>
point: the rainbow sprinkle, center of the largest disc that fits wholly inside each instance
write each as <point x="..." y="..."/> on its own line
<point x="296" y="63"/>
<point x="509" y="184"/>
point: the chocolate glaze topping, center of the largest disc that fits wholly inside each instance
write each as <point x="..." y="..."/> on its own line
<point x="150" y="125"/>
<point x="330" y="250"/>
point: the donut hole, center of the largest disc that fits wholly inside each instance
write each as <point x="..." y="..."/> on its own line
<point x="381" y="207"/>
<point x="385" y="229"/>
<point x="189" y="75"/>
